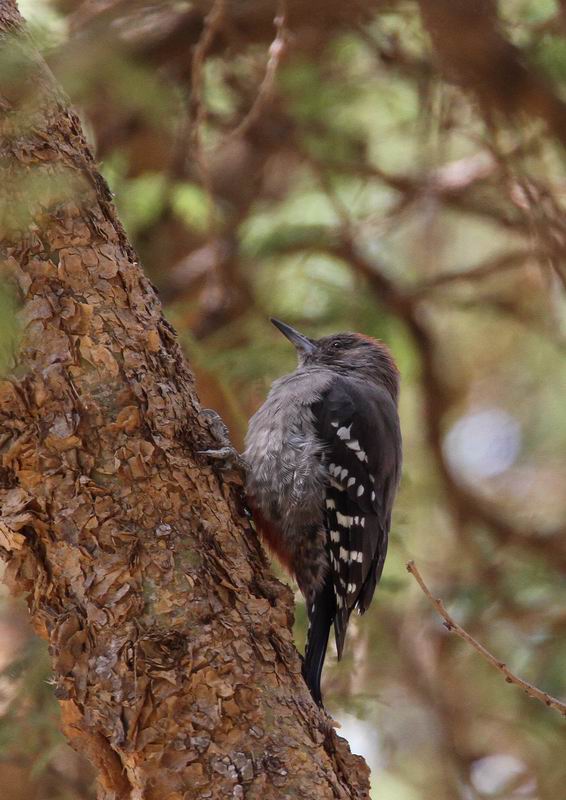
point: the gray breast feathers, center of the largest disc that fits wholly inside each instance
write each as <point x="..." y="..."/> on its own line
<point x="284" y="453"/>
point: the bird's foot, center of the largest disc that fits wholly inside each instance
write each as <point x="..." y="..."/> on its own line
<point x="227" y="457"/>
<point x="226" y="454"/>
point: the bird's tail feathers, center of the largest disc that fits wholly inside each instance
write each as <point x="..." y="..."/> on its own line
<point x="321" y="614"/>
<point x="340" y="627"/>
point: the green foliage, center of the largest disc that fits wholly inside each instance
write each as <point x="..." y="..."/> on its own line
<point x="190" y="203"/>
<point x="550" y="56"/>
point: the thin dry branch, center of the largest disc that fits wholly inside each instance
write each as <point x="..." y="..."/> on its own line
<point x="510" y="677"/>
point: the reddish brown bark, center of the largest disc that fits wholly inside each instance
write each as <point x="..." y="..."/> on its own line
<point x="171" y="641"/>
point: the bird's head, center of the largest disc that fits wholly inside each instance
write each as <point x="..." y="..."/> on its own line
<point x="351" y="353"/>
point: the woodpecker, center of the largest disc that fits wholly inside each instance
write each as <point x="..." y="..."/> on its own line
<point x="323" y="462"/>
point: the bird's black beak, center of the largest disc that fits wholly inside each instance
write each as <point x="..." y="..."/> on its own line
<point x="302" y="343"/>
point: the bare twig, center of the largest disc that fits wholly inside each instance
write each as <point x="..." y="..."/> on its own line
<point x="510" y="677"/>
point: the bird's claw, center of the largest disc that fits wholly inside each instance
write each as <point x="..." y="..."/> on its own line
<point x="221" y="454"/>
<point x="228" y="458"/>
<point x="226" y="453"/>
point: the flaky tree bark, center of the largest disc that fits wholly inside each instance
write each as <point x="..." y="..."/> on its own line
<point x="171" y="643"/>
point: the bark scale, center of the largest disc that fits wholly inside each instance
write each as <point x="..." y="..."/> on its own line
<point x="171" y="641"/>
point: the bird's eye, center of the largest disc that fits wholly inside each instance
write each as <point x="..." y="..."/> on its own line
<point x="336" y="345"/>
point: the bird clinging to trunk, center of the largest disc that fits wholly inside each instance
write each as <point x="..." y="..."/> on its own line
<point x="323" y="462"/>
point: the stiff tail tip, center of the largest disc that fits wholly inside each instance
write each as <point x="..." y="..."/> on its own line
<point x="321" y="615"/>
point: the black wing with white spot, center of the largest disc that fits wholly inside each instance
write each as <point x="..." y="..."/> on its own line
<point x="359" y="428"/>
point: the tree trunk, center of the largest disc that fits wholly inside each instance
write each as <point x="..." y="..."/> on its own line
<point x="171" y="641"/>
